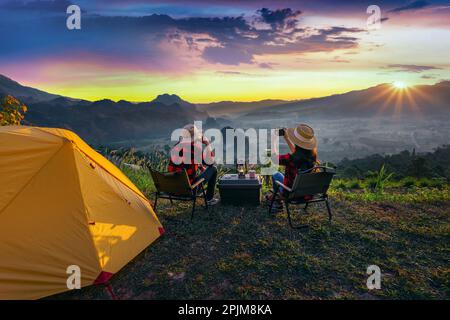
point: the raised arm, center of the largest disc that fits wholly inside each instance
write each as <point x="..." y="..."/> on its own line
<point x="289" y="143"/>
<point x="208" y="154"/>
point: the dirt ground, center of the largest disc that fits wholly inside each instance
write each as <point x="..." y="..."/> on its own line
<point x="248" y="253"/>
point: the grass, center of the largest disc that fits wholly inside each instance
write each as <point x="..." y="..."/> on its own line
<point x="407" y="190"/>
<point x="247" y="253"/>
<point x="141" y="179"/>
<point x="399" y="195"/>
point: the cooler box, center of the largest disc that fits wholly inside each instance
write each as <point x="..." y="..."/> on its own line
<point x="239" y="191"/>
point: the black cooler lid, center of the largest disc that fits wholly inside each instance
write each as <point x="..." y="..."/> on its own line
<point x="232" y="180"/>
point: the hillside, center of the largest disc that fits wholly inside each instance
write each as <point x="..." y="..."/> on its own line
<point x="381" y="100"/>
<point x="104" y="120"/>
<point x="231" y="108"/>
<point x="434" y="164"/>
<point x="23" y="93"/>
<point x="107" y="121"/>
<point x="248" y="253"/>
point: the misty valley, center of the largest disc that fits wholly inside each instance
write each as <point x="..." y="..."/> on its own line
<point x="350" y="125"/>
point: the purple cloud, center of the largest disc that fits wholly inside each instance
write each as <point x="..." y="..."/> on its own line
<point x="227" y="55"/>
<point x="237" y="41"/>
<point x="280" y="18"/>
<point x="428" y="77"/>
<point x="419" y="4"/>
<point x="146" y="41"/>
<point x="410" y="67"/>
<point x="266" y="65"/>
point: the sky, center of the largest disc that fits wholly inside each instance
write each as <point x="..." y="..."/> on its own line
<point x="217" y="50"/>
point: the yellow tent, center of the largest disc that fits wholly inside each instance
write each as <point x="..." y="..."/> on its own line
<point x="62" y="205"/>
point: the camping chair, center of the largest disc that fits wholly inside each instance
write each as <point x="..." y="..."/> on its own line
<point x="176" y="186"/>
<point x="312" y="183"/>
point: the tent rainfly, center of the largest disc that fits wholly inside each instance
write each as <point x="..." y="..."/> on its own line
<point x="62" y="205"/>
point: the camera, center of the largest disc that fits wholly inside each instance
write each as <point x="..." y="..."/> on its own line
<point x="281" y="132"/>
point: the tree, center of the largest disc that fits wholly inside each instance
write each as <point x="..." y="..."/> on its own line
<point x="12" y="112"/>
<point x="419" y="168"/>
<point x="351" y="172"/>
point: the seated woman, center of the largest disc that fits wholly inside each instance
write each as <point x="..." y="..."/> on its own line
<point x="205" y="169"/>
<point x="303" y="146"/>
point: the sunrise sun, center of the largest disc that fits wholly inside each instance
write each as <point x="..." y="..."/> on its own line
<point x="399" y="85"/>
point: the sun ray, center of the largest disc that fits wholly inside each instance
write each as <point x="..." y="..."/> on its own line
<point x="399" y="102"/>
<point x="387" y="101"/>
<point x="379" y="96"/>
<point x="412" y="104"/>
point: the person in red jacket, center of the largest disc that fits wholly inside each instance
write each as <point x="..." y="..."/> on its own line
<point x="196" y="170"/>
<point x="303" y="156"/>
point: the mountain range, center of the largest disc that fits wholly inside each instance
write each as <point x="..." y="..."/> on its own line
<point x="381" y="100"/>
<point x="105" y="120"/>
<point x="230" y="108"/>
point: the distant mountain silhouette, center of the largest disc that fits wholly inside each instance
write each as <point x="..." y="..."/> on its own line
<point x="169" y="99"/>
<point x="23" y="93"/>
<point x="104" y="120"/>
<point x="227" y="108"/>
<point x="381" y="100"/>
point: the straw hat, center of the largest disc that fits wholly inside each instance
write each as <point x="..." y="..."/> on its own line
<point x="191" y="133"/>
<point x="302" y="136"/>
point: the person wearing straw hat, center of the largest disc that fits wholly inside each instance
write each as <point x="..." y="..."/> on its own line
<point x="303" y="156"/>
<point x="206" y="169"/>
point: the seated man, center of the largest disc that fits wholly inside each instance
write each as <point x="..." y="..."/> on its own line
<point x="196" y="171"/>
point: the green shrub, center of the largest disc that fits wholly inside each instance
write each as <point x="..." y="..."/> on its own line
<point x="339" y="184"/>
<point x="382" y="178"/>
<point x="12" y="111"/>
<point x="371" y="183"/>
<point x="423" y="183"/>
<point x="408" y="182"/>
<point x="370" y="174"/>
<point x="354" y="184"/>
<point x="439" y="183"/>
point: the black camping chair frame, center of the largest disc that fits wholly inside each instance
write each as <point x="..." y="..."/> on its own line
<point x="196" y="190"/>
<point x="287" y="197"/>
